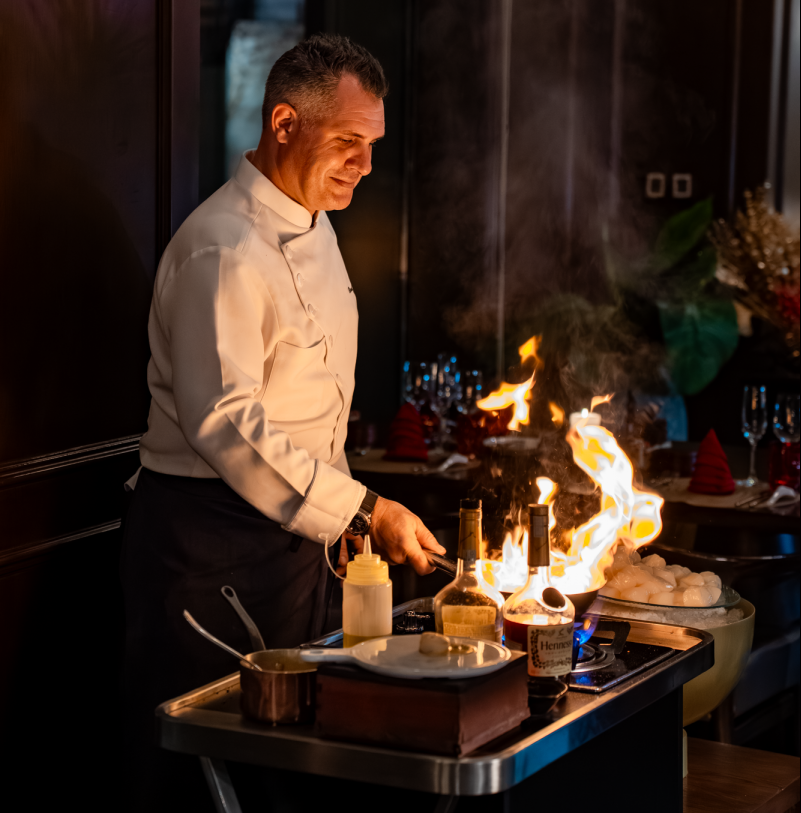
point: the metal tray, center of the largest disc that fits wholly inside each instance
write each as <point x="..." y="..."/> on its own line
<point x="207" y="723"/>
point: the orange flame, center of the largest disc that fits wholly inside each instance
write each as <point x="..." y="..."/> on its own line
<point x="507" y="395"/>
<point x="597" y="400"/>
<point x="557" y="414"/>
<point x="628" y="516"/>
<point x="529" y="350"/>
<point x="516" y="394"/>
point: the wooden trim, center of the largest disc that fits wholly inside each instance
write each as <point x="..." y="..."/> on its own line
<point x="14" y="472"/>
<point x="29" y="551"/>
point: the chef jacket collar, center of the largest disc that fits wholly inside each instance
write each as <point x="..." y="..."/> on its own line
<point x="264" y="190"/>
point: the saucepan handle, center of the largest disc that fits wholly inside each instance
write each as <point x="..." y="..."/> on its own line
<point x="326" y="655"/>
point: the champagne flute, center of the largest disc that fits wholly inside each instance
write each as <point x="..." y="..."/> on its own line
<point x="754" y="424"/>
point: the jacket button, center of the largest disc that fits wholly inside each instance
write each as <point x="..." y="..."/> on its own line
<point x="331" y="340"/>
<point x="288" y="253"/>
<point x="300" y="280"/>
<point x="312" y="309"/>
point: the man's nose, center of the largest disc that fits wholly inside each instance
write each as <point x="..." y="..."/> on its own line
<point x="361" y="160"/>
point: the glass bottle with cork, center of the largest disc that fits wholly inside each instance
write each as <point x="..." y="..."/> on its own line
<point x="538" y="619"/>
<point x="469" y="607"/>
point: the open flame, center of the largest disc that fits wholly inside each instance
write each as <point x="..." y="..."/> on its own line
<point x="517" y="394"/>
<point x="627" y="515"/>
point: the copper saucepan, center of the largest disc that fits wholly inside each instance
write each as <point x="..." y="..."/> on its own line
<point x="283" y="692"/>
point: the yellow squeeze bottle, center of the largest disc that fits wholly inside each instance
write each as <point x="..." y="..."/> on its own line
<point x="366" y="598"/>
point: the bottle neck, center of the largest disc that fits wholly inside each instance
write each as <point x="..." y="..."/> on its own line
<point x="469" y="540"/>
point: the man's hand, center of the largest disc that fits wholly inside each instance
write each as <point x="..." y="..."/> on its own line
<point x="401" y="536"/>
<point x="358" y="546"/>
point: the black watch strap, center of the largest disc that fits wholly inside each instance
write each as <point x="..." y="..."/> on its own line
<point x="360" y="524"/>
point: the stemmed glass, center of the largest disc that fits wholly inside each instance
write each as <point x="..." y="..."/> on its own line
<point x="471" y="384"/>
<point x="786" y="419"/>
<point x="784" y="456"/>
<point x="754" y="424"/>
<point x="446" y="390"/>
<point x="417" y="383"/>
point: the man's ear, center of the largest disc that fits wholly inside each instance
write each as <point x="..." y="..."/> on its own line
<point x="284" y="122"/>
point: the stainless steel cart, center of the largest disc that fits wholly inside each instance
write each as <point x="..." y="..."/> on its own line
<point x="207" y="723"/>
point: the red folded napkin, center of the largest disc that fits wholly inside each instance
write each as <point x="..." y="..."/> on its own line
<point x="712" y="474"/>
<point x="406" y="437"/>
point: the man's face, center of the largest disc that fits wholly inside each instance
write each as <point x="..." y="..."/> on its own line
<point x="326" y="159"/>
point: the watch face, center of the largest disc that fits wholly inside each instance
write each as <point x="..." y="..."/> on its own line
<point x="359" y="525"/>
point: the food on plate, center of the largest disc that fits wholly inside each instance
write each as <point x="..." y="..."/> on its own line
<point x="432" y="643"/>
<point x="651" y="580"/>
<point x="436" y="645"/>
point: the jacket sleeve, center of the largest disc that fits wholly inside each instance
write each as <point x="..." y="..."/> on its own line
<point x="222" y="325"/>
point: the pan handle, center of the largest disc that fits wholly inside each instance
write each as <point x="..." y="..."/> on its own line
<point x="256" y="641"/>
<point x="327" y="656"/>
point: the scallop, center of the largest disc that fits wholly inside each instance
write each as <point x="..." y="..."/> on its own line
<point x="711" y="579"/>
<point x="664" y="598"/>
<point x="693" y="580"/>
<point x="666" y="575"/>
<point x="697" y="597"/>
<point x="639" y="593"/>
<point x="655" y="561"/>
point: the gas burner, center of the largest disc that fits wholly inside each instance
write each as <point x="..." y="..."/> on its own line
<point x="601" y="663"/>
<point x="592" y="656"/>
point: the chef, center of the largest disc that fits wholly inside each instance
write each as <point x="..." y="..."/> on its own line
<point x="244" y="481"/>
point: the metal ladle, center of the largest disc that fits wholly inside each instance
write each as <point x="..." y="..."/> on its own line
<point x="206" y="634"/>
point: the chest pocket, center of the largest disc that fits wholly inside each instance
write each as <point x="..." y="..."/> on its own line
<point x="300" y="388"/>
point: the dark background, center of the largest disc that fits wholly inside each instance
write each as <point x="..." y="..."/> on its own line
<point x="110" y="134"/>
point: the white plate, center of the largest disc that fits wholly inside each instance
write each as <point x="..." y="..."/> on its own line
<point x="399" y="656"/>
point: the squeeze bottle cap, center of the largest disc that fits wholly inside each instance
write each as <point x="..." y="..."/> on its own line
<point x="367" y="567"/>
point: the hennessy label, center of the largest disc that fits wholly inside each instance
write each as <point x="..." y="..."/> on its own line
<point x="470" y="622"/>
<point x="550" y="650"/>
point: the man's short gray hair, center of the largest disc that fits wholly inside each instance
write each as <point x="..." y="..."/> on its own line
<point x="307" y="75"/>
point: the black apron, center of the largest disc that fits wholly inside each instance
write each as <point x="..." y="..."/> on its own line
<point x="184" y="538"/>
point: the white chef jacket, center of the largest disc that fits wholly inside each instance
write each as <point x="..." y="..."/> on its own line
<point x="253" y="340"/>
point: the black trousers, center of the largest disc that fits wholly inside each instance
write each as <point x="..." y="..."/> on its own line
<point x="185" y="538"/>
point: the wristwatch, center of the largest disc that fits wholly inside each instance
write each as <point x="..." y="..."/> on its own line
<point x="360" y="524"/>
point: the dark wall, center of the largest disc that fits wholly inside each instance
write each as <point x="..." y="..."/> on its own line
<point x="98" y="167"/>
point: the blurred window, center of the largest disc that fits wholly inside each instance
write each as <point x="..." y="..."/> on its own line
<point x="240" y="40"/>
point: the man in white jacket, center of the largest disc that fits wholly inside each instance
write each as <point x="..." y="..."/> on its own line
<point x="253" y="331"/>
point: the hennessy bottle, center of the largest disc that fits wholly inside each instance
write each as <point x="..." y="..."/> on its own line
<point x="538" y="619"/>
<point x="468" y="606"/>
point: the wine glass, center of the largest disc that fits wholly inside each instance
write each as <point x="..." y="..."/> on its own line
<point x="471" y="383"/>
<point x="784" y="456"/>
<point x="417" y="382"/>
<point x="786" y="419"/>
<point x="754" y="424"/>
<point x="447" y="379"/>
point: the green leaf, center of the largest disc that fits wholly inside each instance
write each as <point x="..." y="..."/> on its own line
<point x="681" y="234"/>
<point x="700" y="338"/>
<point x="691" y="276"/>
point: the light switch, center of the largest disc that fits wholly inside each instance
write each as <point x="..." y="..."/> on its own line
<point x="683" y="185"/>
<point x="655" y="184"/>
